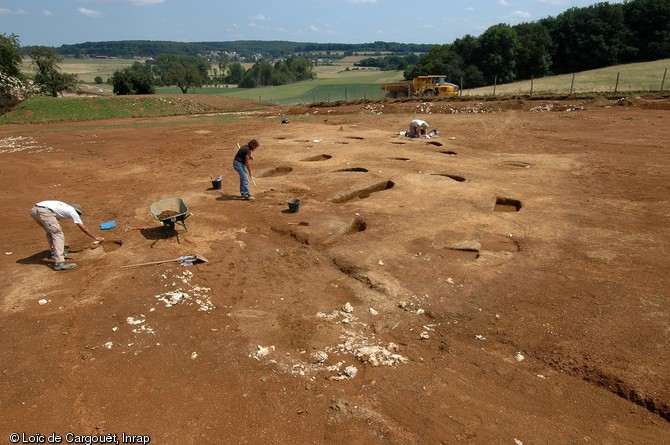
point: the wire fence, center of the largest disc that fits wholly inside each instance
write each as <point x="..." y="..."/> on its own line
<point x="567" y="84"/>
<point x="578" y="83"/>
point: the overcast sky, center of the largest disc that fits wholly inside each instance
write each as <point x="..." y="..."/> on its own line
<point x="58" y="22"/>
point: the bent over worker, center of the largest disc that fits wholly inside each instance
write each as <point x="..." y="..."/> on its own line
<point x="417" y="128"/>
<point x="47" y="214"/>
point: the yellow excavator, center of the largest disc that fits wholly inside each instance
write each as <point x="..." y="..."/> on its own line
<point x="425" y="86"/>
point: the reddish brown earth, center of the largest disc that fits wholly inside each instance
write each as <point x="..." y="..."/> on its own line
<point x="506" y="282"/>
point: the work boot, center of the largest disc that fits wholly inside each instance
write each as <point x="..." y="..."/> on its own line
<point x="249" y="198"/>
<point x="65" y="266"/>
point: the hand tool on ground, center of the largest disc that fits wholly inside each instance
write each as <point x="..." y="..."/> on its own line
<point x="116" y="242"/>
<point x="195" y="258"/>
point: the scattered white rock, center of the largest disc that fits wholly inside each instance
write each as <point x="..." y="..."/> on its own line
<point x="194" y="355"/>
<point x="108" y="345"/>
<point x="381" y="263"/>
<point x="424" y="335"/>
<point x="519" y="357"/>
<point x="172" y="298"/>
<point x="480" y="337"/>
<point x="133" y="320"/>
<point x="320" y="357"/>
<point x="350" y="372"/>
<point x="144" y="329"/>
<point x="263" y="351"/>
<point x="348" y="308"/>
<point x="450" y="280"/>
<point x="43" y="301"/>
<point x="187" y="293"/>
<point x="518" y="442"/>
<point x="17" y="144"/>
<point x="8" y="253"/>
<point x="373" y="311"/>
<point x="379" y="355"/>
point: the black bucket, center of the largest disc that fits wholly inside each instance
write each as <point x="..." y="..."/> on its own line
<point x="293" y="205"/>
<point x="216" y="183"/>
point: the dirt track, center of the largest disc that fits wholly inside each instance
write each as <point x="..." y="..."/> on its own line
<point x="506" y="281"/>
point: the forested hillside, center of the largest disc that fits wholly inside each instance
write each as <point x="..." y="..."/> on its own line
<point x="579" y="39"/>
<point x="245" y="49"/>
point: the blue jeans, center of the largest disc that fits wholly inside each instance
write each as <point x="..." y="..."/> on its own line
<point x="244" y="178"/>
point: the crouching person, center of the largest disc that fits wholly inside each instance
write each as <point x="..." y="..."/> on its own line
<point x="418" y="128"/>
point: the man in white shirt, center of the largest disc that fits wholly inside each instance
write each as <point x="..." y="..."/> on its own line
<point x="418" y="128"/>
<point x="47" y="214"/>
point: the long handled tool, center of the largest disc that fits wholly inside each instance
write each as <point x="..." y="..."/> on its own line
<point x="196" y="258"/>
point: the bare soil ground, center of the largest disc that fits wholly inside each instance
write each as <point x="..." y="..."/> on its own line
<point x="505" y="282"/>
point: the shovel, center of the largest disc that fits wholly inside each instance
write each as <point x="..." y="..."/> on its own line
<point x="186" y="260"/>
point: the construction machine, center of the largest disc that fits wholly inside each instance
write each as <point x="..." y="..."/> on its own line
<point x="426" y="86"/>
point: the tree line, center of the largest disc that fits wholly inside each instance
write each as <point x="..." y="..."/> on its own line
<point x="187" y="72"/>
<point x="245" y="49"/>
<point x="579" y="39"/>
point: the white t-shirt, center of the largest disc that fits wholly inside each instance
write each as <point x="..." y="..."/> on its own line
<point x="416" y="123"/>
<point x="62" y="210"/>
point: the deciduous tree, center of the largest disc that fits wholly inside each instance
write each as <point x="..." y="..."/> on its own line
<point x="48" y="74"/>
<point x="13" y="85"/>
<point x="498" y="48"/>
<point x="136" y="79"/>
<point x="10" y="55"/>
<point x="185" y="72"/>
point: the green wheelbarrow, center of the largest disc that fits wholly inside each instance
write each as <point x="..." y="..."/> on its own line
<point x="170" y="212"/>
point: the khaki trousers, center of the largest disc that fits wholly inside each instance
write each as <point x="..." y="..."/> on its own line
<point x="55" y="236"/>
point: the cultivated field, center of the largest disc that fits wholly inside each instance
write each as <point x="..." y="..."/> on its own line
<point x="341" y="80"/>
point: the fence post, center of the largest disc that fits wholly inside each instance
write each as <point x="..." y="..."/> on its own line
<point x="616" y="86"/>
<point x="495" y="82"/>
<point x="531" y="85"/>
<point x="663" y="81"/>
<point x="460" y="92"/>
